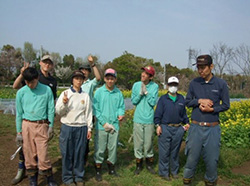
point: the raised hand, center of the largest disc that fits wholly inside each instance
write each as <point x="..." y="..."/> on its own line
<point x="65" y="97"/>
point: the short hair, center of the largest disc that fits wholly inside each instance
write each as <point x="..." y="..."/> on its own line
<point x="30" y="74"/>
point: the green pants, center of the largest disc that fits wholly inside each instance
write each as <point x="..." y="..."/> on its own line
<point x="105" y="140"/>
<point x="143" y="140"/>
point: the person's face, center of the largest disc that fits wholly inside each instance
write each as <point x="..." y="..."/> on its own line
<point x="110" y="81"/>
<point x="86" y="73"/>
<point x="46" y="65"/>
<point x="145" y="77"/>
<point x="77" y="81"/>
<point x="205" y="71"/>
<point x="32" y="84"/>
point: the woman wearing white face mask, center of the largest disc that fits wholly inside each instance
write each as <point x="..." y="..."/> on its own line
<point x="170" y="115"/>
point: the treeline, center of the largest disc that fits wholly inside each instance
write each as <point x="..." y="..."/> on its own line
<point x="128" y="66"/>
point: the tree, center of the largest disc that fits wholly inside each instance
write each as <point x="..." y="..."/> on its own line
<point x="68" y="61"/>
<point x="222" y="55"/>
<point x="29" y="53"/>
<point x="63" y="73"/>
<point x="10" y="62"/>
<point x="128" y="67"/>
<point x="242" y="58"/>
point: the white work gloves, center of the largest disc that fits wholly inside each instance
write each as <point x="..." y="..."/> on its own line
<point x="109" y="128"/>
<point x="19" y="139"/>
<point x="50" y="133"/>
<point x="143" y="89"/>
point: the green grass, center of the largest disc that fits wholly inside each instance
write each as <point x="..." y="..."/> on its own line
<point x="229" y="158"/>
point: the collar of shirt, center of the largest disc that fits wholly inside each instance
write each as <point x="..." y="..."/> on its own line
<point x="73" y="90"/>
<point x="211" y="81"/>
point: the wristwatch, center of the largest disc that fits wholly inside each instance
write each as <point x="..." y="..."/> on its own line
<point x="93" y="65"/>
<point x="157" y="125"/>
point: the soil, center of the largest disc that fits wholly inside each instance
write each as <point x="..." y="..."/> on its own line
<point x="8" y="168"/>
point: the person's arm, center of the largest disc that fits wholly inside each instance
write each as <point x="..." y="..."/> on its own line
<point x="136" y="96"/>
<point x="95" y="69"/>
<point x="18" y="82"/>
<point x="19" y="113"/>
<point x="152" y="95"/>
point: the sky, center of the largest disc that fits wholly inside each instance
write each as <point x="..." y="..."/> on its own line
<point x="162" y="30"/>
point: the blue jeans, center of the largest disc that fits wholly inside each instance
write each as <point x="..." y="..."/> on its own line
<point x="169" y="143"/>
<point x="73" y="145"/>
<point x="203" y="141"/>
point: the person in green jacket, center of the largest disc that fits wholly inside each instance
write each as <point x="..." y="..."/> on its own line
<point x="144" y="97"/>
<point x="109" y="109"/>
<point x="35" y="111"/>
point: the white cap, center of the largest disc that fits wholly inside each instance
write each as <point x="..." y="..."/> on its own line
<point x="46" y="57"/>
<point x="173" y="79"/>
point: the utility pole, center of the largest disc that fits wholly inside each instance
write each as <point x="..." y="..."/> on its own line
<point x="164" y="76"/>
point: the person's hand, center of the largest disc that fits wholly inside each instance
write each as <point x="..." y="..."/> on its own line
<point x="19" y="139"/>
<point x="89" y="135"/>
<point x="25" y="65"/>
<point x="50" y="133"/>
<point x="206" y="108"/>
<point x="91" y="60"/>
<point x="120" y="118"/>
<point x="109" y="128"/>
<point x="206" y="102"/>
<point x="186" y="127"/>
<point x="158" y="131"/>
<point x="65" y="97"/>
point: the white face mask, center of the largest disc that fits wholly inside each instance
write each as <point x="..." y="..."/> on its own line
<point x="172" y="89"/>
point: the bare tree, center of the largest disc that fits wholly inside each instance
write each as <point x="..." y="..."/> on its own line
<point x="222" y="55"/>
<point x="242" y="58"/>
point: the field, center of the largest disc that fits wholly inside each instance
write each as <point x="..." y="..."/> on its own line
<point x="233" y="165"/>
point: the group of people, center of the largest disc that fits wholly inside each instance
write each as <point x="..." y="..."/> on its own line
<point x="80" y="109"/>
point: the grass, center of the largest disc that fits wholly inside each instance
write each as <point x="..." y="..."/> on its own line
<point x="229" y="158"/>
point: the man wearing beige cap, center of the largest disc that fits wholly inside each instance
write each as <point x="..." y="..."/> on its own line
<point x="46" y="66"/>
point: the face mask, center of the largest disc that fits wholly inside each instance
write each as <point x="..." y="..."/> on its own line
<point x="172" y="89"/>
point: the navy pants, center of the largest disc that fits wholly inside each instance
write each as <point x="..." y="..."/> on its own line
<point x="73" y="145"/>
<point x="169" y="143"/>
<point x="203" y="141"/>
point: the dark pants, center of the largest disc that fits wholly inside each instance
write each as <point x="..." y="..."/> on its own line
<point x="203" y="141"/>
<point x="169" y="143"/>
<point x="73" y="145"/>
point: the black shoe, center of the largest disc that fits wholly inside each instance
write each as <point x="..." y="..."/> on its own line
<point x="112" y="171"/>
<point x="19" y="176"/>
<point x="167" y="178"/>
<point x="33" y="180"/>
<point x="149" y="165"/>
<point x="138" y="168"/>
<point x="98" y="175"/>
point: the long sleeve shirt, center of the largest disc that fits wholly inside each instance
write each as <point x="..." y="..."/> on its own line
<point x="216" y="90"/>
<point x="144" y="112"/>
<point x="108" y="105"/>
<point x="77" y="111"/>
<point x="34" y="104"/>
<point x="170" y="112"/>
<point x="89" y="87"/>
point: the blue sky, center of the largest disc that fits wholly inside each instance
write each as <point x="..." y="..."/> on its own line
<point x="162" y="30"/>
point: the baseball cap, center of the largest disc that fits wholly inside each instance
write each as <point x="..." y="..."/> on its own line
<point x="85" y="66"/>
<point x="111" y="72"/>
<point x="77" y="73"/>
<point x="204" y="60"/>
<point x="149" y="69"/>
<point x="47" y="57"/>
<point x="173" y="79"/>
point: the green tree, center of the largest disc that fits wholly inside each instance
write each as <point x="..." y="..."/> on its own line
<point x="10" y="62"/>
<point x="68" y="61"/>
<point x="29" y="53"/>
<point x="128" y="67"/>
